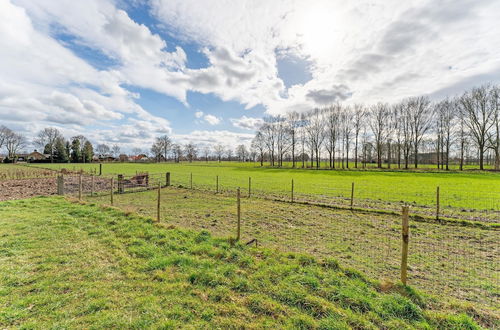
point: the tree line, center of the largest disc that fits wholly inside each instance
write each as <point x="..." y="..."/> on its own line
<point x="453" y="129"/>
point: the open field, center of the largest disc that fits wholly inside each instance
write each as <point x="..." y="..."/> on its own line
<point x="16" y="172"/>
<point x="462" y="194"/>
<point x="66" y="265"/>
<point x="461" y="262"/>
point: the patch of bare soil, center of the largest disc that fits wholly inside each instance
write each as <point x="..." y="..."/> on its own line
<point x="26" y="188"/>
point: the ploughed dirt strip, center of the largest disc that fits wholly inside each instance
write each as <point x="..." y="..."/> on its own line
<point x="26" y="188"/>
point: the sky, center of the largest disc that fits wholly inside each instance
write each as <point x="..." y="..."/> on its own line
<point x="123" y="72"/>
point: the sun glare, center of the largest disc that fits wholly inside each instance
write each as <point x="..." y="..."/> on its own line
<point x="319" y="31"/>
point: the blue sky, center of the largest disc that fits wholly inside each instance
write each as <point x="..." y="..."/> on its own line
<point x="124" y="72"/>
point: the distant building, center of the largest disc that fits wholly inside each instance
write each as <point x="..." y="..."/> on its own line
<point x="123" y="158"/>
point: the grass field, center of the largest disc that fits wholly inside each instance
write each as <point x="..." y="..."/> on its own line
<point x="449" y="261"/>
<point x="471" y="190"/>
<point x="15" y="172"/>
<point x="66" y="265"/>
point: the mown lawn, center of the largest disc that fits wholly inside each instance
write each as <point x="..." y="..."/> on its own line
<point x="67" y="265"/>
<point x="470" y="190"/>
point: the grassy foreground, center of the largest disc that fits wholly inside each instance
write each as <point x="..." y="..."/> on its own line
<point x="70" y="265"/>
<point x="470" y="190"/>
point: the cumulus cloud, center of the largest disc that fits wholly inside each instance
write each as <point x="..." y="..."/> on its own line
<point x="211" y="119"/>
<point x="198" y="114"/>
<point x="247" y="123"/>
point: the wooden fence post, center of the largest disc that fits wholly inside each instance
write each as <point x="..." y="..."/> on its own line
<point x="239" y="214"/>
<point x="100" y="169"/>
<point x="292" y="191"/>
<point x="60" y="185"/>
<point x="216" y="184"/>
<point x="92" y="186"/>
<point x="437" y="203"/>
<point x="249" y="187"/>
<point x="111" y="190"/>
<point x="80" y="186"/>
<point x="167" y="179"/>
<point x="120" y="184"/>
<point x="352" y="195"/>
<point x="158" y="205"/>
<point x="191" y="180"/>
<point x="405" y="241"/>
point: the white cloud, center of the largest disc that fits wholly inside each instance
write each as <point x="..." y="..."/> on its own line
<point x="212" y="138"/>
<point x="247" y="123"/>
<point x="212" y="120"/>
<point x="198" y="114"/>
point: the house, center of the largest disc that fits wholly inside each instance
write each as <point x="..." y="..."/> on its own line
<point x="139" y="158"/>
<point x="123" y="158"/>
<point x="35" y="155"/>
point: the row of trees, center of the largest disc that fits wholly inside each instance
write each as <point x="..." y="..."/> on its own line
<point x="164" y="149"/>
<point x="388" y="133"/>
<point x="78" y="149"/>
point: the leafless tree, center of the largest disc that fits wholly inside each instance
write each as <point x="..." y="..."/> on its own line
<point x="219" y="151"/>
<point x="206" y="152"/>
<point x="48" y="137"/>
<point x="446" y="117"/>
<point x="241" y="152"/>
<point x="332" y="131"/>
<point x="294" y="122"/>
<point x="347" y="130"/>
<point x="157" y="151"/>
<point x="102" y="150"/>
<point x="4" y="132"/>
<point x="191" y="151"/>
<point x="136" y="151"/>
<point x="14" y="142"/>
<point x="479" y="113"/>
<point x="229" y="153"/>
<point x="358" y="122"/>
<point x="269" y="132"/>
<point x="315" y="133"/>
<point x="165" y="144"/>
<point x="420" y="116"/>
<point x="378" y="124"/>
<point x="259" y="145"/>
<point x="494" y="135"/>
<point x="177" y="151"/>
<point x="115" y="150"/>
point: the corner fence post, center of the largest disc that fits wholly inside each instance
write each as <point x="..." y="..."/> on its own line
<point x="352" y="195"/>
<point x="158" y="203"/>
<point x="167" y="178"/>
<point x="437" y="203"/>
<point x="238" y="205"/>
<point x="405" y="241"/>
<point x="111" y="190"/>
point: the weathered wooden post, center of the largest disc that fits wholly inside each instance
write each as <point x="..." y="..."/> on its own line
<point x="352" y="195"/>
<point x="405" y="241"/>
<point x="249" y="187"/>
<point x="216" y="184"/>
<point x="158" y="203"/>
<point x="111" y="190"/>
<point x="60" y="185"/>
<point x="437" y="203"/>
<point x="238" y="206"/>
<point x="167" y="178"/>
<point x="80" y="186"/>
<point x="292" y="192"/>
<point x="100" y="169"/>
<point x="92" y="186"/>
<point x="191" y="180"/>
<point x="120" y="184"/>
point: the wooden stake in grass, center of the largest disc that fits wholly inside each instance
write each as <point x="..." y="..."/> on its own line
<point x="159" y="201"/>
<point x="120" y="184"/>
<point x="167" y="179"/>
<point x="437" y="203"/>
<point x="60" y="185"/>
<point x="406" y="239"/>
<point x="352" y="195"/>
<point x="191" y="181"/>
<point x="216" y="184"/>
<point x="80" y="186"/>
<point x="249" y="187"/>
<point x="292" y="192"/>
<point x="238" y="206"/>
<point x="92" y="186"/>
<point x="111" y="190"/>
<point x="100" y="169"/>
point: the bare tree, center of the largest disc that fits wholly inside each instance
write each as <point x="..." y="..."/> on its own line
<point x="241" y="152"/>
<point x="206" y="152"/>
<point x="358" y="122"/>
<point x="4" y="132"/>
<point x="115" y="150"/>
<point x="136" y="151"/>
<point x="229" y="153"/>
<point x="259" y="145"/>
<point x="347" y="129"/>
<point x="14" y="142"/>
<point x="48" y="137"/>
<point x="165" y="144"/>
<point x="191" y="151"/>
<point x="219" y="151"/>
<point x="157" y="151"/>
<point x="378" y="117"/>
<point x="269" y="132"/>
<point x="479" y="113"/>
<point x="316" y="134"/>
<point x="102" y="150"/>
<point x="494" y="135"/>
<point x="332" y="131"/>
<point x="293" y="124"/>
<point x="420" y="116"/>
<point x="446" y="117"/>
<point x="177" y="151"/>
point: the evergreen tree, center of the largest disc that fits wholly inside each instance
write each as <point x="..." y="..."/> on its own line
<point x="76" y="154"/>
<point x="88" y="151"/>
<point x="61" y="154"/>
